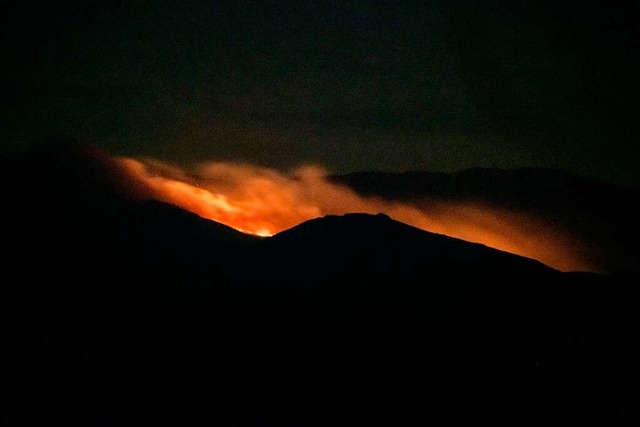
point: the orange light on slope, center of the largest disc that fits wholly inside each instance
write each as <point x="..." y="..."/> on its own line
<point x="262" y="201"/>
<point x="247" y="198"/>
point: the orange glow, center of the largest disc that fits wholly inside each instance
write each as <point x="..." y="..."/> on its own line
<point x="263" y="202"/>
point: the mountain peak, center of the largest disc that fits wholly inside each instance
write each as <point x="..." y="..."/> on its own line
<point x="374" y="247"/>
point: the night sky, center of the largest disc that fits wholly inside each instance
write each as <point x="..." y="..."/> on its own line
<point x="436" y="85"/>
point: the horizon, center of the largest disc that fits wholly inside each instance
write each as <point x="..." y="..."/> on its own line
<point x="517" y="216"/>
<point x="357" y="85"/>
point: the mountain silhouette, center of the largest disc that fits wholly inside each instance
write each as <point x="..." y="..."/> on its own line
<point x="118" y="310"/>
<point x="601" y="217"/>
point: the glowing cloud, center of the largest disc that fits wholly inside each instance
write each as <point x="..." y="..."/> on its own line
<point x="263" y="201"/>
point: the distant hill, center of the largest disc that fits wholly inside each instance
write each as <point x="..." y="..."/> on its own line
<point x="602" y="217"/>
<point x="117" y="310"/>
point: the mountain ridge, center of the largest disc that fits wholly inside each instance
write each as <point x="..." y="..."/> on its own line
<point x="121" y="311"/>
<point x="597" y="217"/>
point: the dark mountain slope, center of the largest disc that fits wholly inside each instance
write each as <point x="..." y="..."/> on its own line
<point x="364" y="251"/>
<point x="601" y="216"/>
<point x="120" y="311"/>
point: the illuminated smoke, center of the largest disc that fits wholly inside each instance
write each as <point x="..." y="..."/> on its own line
<point x="264" y="201"/>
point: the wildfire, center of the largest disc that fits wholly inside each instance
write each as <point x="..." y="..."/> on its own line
<point x="262" y="201"/>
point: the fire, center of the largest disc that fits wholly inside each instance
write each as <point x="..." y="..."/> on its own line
<point x="263" y="201"/>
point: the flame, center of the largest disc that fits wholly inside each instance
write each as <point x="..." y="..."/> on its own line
<point x="263" y="201"/>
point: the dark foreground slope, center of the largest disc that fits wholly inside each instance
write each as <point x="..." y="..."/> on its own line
<point x="117" y="311"/>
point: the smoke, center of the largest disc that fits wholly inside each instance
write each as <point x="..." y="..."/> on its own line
<point x="264" y="201"/>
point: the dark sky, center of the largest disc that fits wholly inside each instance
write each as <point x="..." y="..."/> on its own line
<point x="352" y="85"/>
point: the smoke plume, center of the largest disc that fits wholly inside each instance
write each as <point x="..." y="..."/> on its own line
<point x="264" y="201"/>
